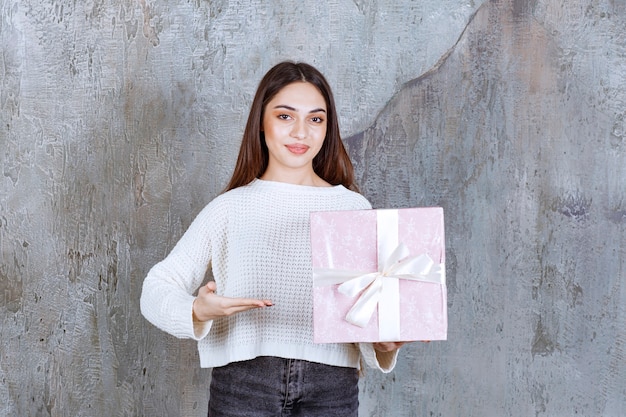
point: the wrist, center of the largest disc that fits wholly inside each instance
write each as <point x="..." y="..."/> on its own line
<point x="194" y="315"/>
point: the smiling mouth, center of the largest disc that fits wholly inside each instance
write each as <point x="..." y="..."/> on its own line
<point x="297" y="149"/>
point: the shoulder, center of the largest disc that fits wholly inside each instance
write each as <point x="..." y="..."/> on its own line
<point x="233" y="201"/>
<point x="220" y="206"/>
<point x="354" y="198"/>
<point x="235" y="195"/>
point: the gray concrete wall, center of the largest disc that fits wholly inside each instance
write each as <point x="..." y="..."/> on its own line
<point x="121" y="119"/>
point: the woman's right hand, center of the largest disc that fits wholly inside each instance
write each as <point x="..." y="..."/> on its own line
<point x="209" y="306"/>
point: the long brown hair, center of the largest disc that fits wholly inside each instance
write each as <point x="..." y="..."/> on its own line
<point x="332" y="163"/>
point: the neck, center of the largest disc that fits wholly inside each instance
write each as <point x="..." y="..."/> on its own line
<point x="304" y="177"/>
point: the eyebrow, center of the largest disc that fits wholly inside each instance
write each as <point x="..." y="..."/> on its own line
<point x="284" y="106"/>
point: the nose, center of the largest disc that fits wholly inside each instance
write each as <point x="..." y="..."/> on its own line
<point x="299" y="130"/>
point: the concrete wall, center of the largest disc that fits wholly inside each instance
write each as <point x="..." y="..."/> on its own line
<point x="121" y="119"/>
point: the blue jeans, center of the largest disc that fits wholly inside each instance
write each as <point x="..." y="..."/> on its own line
<point x="277" y="387"/>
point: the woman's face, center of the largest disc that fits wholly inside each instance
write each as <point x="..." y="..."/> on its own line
<point x="294" y="124"/>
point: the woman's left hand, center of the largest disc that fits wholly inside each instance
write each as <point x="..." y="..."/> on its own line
<point x="388" y="346"/>
<point x="391" y="346"/>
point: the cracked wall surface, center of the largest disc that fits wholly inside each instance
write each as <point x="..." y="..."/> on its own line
<point x="120" y="120"/>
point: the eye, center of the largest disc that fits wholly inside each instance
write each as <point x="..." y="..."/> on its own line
<point x="284" y="116"/>
<point x="317" y="119"/>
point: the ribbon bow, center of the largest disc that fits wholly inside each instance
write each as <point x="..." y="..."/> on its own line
<point x="377" y="288"/>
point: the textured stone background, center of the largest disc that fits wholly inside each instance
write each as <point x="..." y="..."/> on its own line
<point x="121" y="119"/>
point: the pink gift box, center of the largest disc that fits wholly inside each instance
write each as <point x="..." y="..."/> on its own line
<point x="405" y="292"/>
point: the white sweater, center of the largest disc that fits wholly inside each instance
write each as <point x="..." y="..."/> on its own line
<point x="256" y="239"/>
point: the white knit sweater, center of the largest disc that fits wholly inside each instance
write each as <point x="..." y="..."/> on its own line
<point x="256" y="239"/>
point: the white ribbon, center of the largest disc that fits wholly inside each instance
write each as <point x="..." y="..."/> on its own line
<point x="381" y="289"/>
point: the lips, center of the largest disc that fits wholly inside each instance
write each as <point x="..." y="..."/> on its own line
<point x="297" y="148"/>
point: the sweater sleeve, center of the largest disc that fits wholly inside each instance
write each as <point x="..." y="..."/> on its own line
<point x="168" y="290"/>
<point x="383" y="361"/>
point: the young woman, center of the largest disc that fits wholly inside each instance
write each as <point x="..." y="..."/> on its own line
<point x="253" y="324"/>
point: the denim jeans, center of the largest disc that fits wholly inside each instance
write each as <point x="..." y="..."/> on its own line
<point x="276" y="387"/>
